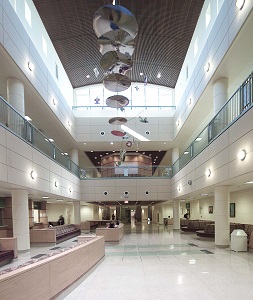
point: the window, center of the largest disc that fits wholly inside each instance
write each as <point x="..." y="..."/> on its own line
<point x="196" y="47"/>
<point x="208" y="15"/>
<point x="56" y="71"/>
<point x="44" y="45"/>
<point x="28" y="15"/>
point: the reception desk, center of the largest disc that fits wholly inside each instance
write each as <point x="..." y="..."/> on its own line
<point x="111" y="234"/>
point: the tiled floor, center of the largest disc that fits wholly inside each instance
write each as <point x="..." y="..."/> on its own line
<point x="153" y="262"/>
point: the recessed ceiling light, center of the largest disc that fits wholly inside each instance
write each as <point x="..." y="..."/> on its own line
<point x="203" y="194"/>
<point x="248" y="182"/>
<point x="198" y="139"/>
<point x="186" y="152"/>
<point x="88" y="76"/>
<point x="111" y="143"/>
<point x="141" y="74"/>
<point x="28" y="119"/>
<point x="45" y="197"/>
<point x="159" y="75"/>
<point x="91" y="150"/>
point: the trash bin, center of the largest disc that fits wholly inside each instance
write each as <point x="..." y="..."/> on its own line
<point x="239" y="240"/>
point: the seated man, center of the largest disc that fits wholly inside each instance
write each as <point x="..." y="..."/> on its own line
<point x="111" y="225"/>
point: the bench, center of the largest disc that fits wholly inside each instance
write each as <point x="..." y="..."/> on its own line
<point x="55" y="234"/>
<point x="48" y="276"/>
<point x="8" y="250"/>
<point x="209" y="230"/>
<point x="194" y="225"/>
<point x="111" y="234"/>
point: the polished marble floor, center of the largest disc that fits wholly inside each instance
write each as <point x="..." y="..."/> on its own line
<point x="155" y="262"/>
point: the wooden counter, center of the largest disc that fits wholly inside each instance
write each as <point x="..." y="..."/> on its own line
<point x="111" y="234"/>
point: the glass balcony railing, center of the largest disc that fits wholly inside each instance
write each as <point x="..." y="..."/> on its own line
<point x="235" y="107"/>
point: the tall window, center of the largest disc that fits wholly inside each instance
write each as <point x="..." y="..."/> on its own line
<point x="28" y="15"/>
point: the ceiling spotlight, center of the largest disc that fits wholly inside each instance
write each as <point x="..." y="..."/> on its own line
<point x="56" y="183"/>
<point x="240" y="3"/>
<point x="198" y="139"/>
<point x="30" y="66"/>
<point x="208" y="172"/>
<point x="69" y="123"/>
<point x="207" y="67"/>
<point x="241" y="155"/>
<point x="70" y="190"/>
<point x="88" y="76"/>
<point x="33" y="175"/>
<point x="179" y="188"/>
<point x="141" y="74"/>
<point x="54" y="101"/>
<point x="159" y="75"/>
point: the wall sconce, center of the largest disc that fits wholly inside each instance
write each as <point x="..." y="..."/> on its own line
<point x="178" y="122"/>
<point x="33" y="175"/>
<point x="56" y="183"/>
<point x="69" y="123"/>
<point x="30" y="66"/>
<point x="239" y="3"/>
<point x="207" y="67"/>
<point x="190" y="101"/>
<point x="190" y="182"/>
<point x="242" y="154"/>
<point x="105" y="193"/>
<point x="54" y="101"/>
<point x="179" y="188"/>
<point x="208" y="173"/>
<point x="70" y="189"/>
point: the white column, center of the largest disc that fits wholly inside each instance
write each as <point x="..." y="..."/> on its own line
<point x="219" y="94"/>
<point x="74" y="156"/>
<point x="176" y="214"/>
<point x="20" y="217"/>
<point x="174" y="155"/>
<point x="77" y="215"/>
<point x="15" y="95"/>
<point x="221" y="209"/>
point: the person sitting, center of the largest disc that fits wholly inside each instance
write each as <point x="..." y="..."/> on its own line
<point x="117" y="222"/>
<point x="111" y="225"/>
<point x="61" y="220"/>
<point x="186" y="216"/>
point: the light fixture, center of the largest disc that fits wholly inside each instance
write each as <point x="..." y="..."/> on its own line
<point x="207" y="67"/>
<point x="190" y="182"/>
<point x="51" y="140"/>
<point x="66" y="154"/>
<point x="141" y="74"/>
<point x="241" y="155"/>
<point x="70" y="189"/>
<point x="198" y="139"/>
<point x="159" y="75"/>
<point x="54" y="101"/>
<point x="179" y="188"/>
<point x="186" y="152"/>
<point x="208" y="173"/>
<point x="190" y="101"/>
<point x="28" y="118"/>
<point x="239" y="3"/>
<point x="203" y="194"/>
<point x="56" y="183"/>
<point x="45" y="197"/>
<point x="30" y="66"/>
<point x="248" y="182"/>
<point x="69" y="123"/>
<point x="33" y="174"/>
<point x="59" y="200"/>
<point x="134" y="133"/>
<point x="111" y="143"/>
<point x="178" y="122"/>
<point x="88" y="76"/>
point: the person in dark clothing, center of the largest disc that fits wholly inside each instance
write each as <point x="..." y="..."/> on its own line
<point x="61" y="220"/>
<point x="113" y="217"/>
<point x="186" y="216"/>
